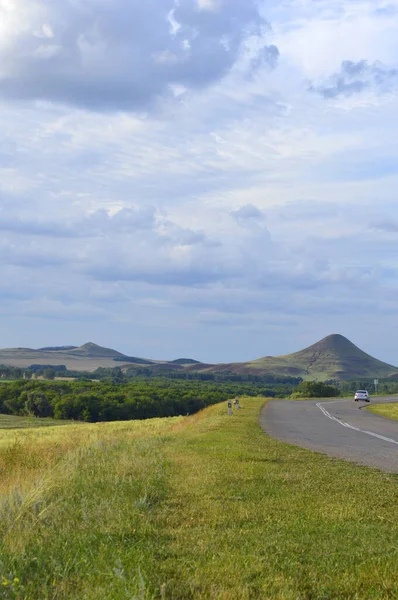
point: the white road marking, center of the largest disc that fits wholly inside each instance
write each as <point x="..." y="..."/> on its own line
<point x="344" y="424"/>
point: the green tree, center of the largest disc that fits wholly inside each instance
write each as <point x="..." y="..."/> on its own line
<point x="315" y="389"/>
<point x="38" y="404"/>
<point x="49" y="373"/>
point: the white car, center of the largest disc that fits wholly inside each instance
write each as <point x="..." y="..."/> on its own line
<point x="362" y="395"/>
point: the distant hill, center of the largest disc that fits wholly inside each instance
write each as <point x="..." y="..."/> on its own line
<point x="57" y="348"/>
<point x="83" y="358"/>
<point x="184" y="361"/>
<point x="134" y="360"/>
<point x="94" y="351"/>
<point x="334" y="357"/>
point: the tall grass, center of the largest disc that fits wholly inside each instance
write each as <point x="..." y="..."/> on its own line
<point x="204" y="507"/>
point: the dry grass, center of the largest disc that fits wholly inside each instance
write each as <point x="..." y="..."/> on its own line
<point x="26" y="454"/>
<point x="13" y="422"/>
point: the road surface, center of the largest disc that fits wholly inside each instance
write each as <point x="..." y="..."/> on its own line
<point x="336" y="427"/>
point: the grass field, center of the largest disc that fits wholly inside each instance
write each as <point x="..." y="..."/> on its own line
<point x="385" y="410"/>
<point x="202" y="507"/>
<point x="12" y="422"/>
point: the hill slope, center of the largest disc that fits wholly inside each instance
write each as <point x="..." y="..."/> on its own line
<point x="84" y="358"/>
<point x="333" y="357"/>
<point x="91" y="350"/>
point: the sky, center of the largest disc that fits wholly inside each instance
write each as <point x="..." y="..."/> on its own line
<point x="214" y="179"/>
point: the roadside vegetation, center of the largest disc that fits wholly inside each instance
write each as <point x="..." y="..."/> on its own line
<point x="199" y="507"/>
<point x="315" y="389"/>
<point x="385" y="410"/>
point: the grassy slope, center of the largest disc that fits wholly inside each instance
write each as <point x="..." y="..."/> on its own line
<point x="332" y="357"/>
<point x="12" y="422"/>
<point x="85" y="358"/>
<point x="91" y="350"/>
<point x="202" y="507"/>
<point x="77" y="363"/>
<point x="385" y="410"/>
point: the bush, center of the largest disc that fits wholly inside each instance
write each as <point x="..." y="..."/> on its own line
<point x="315" y="389"/>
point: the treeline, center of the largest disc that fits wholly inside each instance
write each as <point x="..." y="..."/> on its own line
<point x="46" y="371"/>
<point x="384" y="386"/>
<point x="228" y="376"/>
<point x="117" y="375"/>
<point x="106" y="401"/>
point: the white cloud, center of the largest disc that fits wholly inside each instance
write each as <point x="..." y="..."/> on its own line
<point x="114" y="56"/>
<point x="209" y="4"/>
<point x="318" y="37"/>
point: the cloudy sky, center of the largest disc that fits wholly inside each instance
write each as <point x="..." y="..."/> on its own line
<point x="207" y="178"/>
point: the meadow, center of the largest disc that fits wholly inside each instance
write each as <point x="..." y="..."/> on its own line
<point x="198" y="507"/>
<point x="12" y="422"/>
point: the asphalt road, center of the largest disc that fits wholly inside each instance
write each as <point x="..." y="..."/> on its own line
<point x="335" y="427"/>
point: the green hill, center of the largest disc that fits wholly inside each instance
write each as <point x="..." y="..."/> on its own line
<point x="333" y="357"/>
<point x="91" y="350"/>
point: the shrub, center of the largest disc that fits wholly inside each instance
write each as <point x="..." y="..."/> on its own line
<point x="315" y="389"/>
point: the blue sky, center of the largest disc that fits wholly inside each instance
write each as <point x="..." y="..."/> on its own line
<point x="207" y="178"/>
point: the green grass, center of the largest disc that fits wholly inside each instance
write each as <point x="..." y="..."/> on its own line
<point x="385" y="410"/>
<point x="203" y="507"/>
<point x="12" y="422"/>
